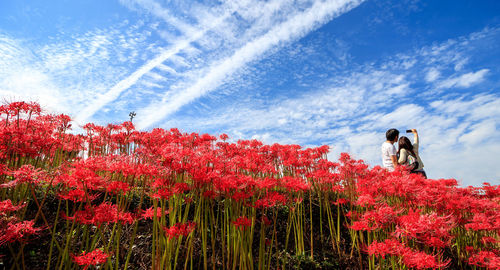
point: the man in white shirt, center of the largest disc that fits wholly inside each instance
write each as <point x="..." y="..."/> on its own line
<point x="389" y="158"/>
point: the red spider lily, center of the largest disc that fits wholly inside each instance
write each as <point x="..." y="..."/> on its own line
<point x="421" y="260"/>
<point x="94" y="257"/>
<point x="270" y="200"/>
<point x="362" y="225"/>
<point x="390" y="246"/>
<point x="25" y="174"/>
<point x="241" y="195"/>
<point x="16" y="108"/>
<point x="16" y="231"/>
<point x="179" y="229"/>
<point x="365" y="200"/>
<point x="485" y="258"/>
<point x="180" y="188"/>
<point x="209" y="194"/>
<point x="481" y="222"/>
<point x="162" y="193"/>
<point x="101" y="214"/>
<point x="223" y="137"/>
<point x="381" y="217"/>
<point x="267" y="183"/>
<point x="82" y="177"/>
<point x="340" y="201"/>
<point x="432" y="229"/>
<point x="149" y="213"/>
<point x="3" y="169"/>
<point x="118" y="187"/>
<point x="242" y="223"/>
<point x="7" y="206"/>
<point x="77" y="195"/>
<point x="491" y="191"/>
<point x="488" y="240"/>
<point x="295" y="184"/>
<point x="414" y="259"/>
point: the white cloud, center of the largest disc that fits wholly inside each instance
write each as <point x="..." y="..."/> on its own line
<point x="189" y="35"/>
<point x="466" y="80"/>
<point x="65" y="74"/>
<point x="210" y="20"/>
<point x="478" y="133"/>
<point x="432" y="75"/>
<point x="157" y="10"/>
<point x="294" y="27"/>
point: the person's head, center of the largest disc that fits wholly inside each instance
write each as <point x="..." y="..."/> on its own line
<point x="405" y="143"/>
<point x="392" y="135"/>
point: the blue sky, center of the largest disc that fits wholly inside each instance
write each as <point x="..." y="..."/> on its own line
<point x="305" y="72"/>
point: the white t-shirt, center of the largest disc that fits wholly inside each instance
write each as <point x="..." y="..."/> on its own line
<point x="388" y="150"/>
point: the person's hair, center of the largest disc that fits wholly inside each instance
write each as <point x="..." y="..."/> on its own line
<point x="392" y="134"/>
<point x="405" y="143"/>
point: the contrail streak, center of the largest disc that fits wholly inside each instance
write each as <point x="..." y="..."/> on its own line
<point x="295" y="27"/>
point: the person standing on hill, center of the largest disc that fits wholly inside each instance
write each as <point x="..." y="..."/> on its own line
<point x="408" y="154"/>
<point x="389" y="154"/>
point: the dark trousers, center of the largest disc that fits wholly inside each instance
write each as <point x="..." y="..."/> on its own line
<point x="421" y="172"/>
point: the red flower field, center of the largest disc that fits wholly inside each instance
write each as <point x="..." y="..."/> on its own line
<point x="118" y="198"/>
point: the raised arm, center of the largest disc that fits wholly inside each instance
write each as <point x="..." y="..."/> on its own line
<point x="415" y="136"/>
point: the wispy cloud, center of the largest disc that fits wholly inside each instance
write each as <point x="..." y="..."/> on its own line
<point x="157" y="10"/>
<point x="182" y="42"/>
<point x="465" y="80"/>
<point x="294" y="27"/>
<point x="432" y="75"/>
<point x="64" y="74"/>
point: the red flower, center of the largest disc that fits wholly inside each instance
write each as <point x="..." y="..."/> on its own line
<point x="118" y="186"/>
<point x="209" y="194"/>
<point x="485" y="259"/>
<point x="388" y="247"/>
<point x="162" y="193"/>
<point x="294" y="183"/>
<point x="242" y="223"/>
<point x="77" y="195"/>
<point x="421" y="260"/>
<point x="179" y="229"/>
<point x="486" y="239"/>
<point x="480" y="222"/>
<point x="340" y="201"/>
<point x="223" y="136"/>
<point x="241" y="195"/>
<point x="180" y="188"/>
<point x="7" y="206"/>
<point x="270" y="200"/>
<point x="362" y="225"/>
<point x="413" y="259"/>
<point x="94" y="257"/>
<point x="365" y="200"/>
<point x="433" y="230"/>
<point x="16" y="231"/>
<point x="25" y="174"/>
<point x="149" y="213"/>
<point x="101" y="214"/>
